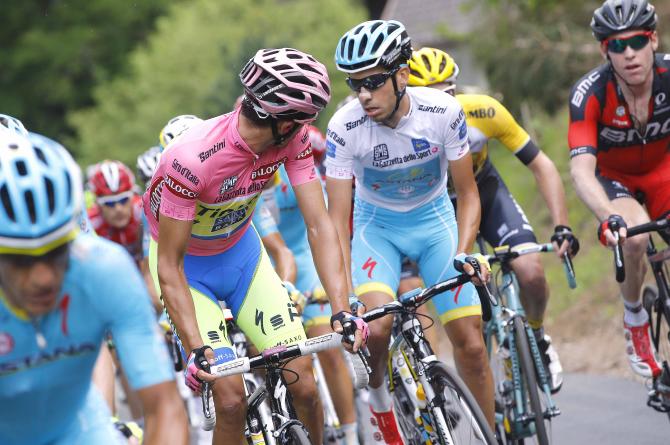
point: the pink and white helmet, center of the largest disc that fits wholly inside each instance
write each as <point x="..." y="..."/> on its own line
<point x="286" y="84"/>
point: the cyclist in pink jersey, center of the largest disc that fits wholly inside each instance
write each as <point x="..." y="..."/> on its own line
<point x="205" y="250"/>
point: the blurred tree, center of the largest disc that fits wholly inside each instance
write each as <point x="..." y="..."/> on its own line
<point x="191" y="65"/>
<point x="54" y="52"/>
<point x="534" y="50"/>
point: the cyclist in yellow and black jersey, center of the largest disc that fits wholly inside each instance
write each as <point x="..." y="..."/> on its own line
<point x="503" y="221"/>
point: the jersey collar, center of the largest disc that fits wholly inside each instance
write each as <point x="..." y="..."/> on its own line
<point x="238" y="142"/>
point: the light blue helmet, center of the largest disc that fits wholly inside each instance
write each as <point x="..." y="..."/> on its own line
<point x="12" y="124"/>
<point x="373" y="43"/>
<point x="40" y="195"/>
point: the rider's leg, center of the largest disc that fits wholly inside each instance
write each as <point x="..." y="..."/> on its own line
<point x="230" y="403"/>
<point x="306" y="397"/>
<point x="410" y="280"/>
<point x="533" y="287"/>
<point x="472" y="361"/>
<point x="337" y="378"/>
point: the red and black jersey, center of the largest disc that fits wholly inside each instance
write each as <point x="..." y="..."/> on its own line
<point x="601" y="124"/>
<point x="129" y="237"/>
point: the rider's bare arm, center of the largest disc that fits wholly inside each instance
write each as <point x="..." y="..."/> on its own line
<point x="151" y="287"/>
<point x="468" y="210"/>
<point x="324" y="243"/>
<point x="281" y="255"/>
<point x="173" y="241"/>
<point x="589" y="190"/>
<point x="339" y="210"/>
<point x="164" y="415"/>
<point x="549" y="182"/>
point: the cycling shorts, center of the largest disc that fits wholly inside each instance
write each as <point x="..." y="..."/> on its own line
<point x="503" y="222"/>
<point x="242" y="277"/>
<point x="427" y="235"/>
<point x="307" y="282"/>
<point x="653" y="185"/>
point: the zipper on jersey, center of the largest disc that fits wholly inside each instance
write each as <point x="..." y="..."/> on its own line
<point x="39" y="337"/>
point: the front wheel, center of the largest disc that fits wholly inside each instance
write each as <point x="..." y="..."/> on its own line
<point x="464" y="419"/>
<point x="296" y="435"/>
<point x="531" y="392"/>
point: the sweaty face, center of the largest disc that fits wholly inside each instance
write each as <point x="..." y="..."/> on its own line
<point x="379" y="103"/>
<point x="117" y="212"/>
<point x="633" y="65"/>
<point x="33" y="284"/>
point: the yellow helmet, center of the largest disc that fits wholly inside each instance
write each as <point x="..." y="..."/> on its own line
<point x="429" y="66"/>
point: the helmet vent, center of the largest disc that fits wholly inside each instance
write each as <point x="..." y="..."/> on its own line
<point x="68" y="183"/>
<point x="362" y="45"/>
<point x="7" y="203"/>
<point x="307" y="67"/>
<point x="30" y="204"/>
<point x="51" y="196"/>
<point x="378" y="42"/>
<point x="443" y="64"/>
<point x="40" y="155"/>
<point x="21" y="168"/>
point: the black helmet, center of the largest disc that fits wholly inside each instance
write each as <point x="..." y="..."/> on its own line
<point x="621" y="15"/>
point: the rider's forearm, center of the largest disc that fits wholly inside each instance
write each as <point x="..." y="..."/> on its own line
<point x="551" y="187"/>
<point x="282" y="257"/>
<point x="590" y="191"/>
<point x="328" y="259"/>
<point x="179" y="304"/>
<point x="165" y="419"/>
<point x="468" y="216"/>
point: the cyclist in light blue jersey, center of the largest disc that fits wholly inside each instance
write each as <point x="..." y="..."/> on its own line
<point x="316" y="315"/>
<point x="401" y="145"/>
<point x="60" y="293"/>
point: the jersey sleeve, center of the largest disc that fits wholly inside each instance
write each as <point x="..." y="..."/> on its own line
<point x="339" y="157"/>
<point x="183" y="181"/>
<point x="506" y="129"/>
<point x="584" y="115"/>
<point x="300" y="162"/>
<point x="456" y="136"/>
<point x="263" y="220"/>
<point x="122" y="299"/>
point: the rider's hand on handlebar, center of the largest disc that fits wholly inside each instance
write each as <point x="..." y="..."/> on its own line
<point x="354" y="330"/>
<point x="464" y="263"/>
<point x="564" y="241"/>
<point x="613" y="224"/>
<point x="197" y="368"/>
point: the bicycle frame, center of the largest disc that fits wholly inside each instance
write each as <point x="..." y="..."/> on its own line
<point x="500" y="325"/>
<point x="411" y="354"/>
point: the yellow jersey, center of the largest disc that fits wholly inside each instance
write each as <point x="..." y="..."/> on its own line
<point x="486" y="119"/>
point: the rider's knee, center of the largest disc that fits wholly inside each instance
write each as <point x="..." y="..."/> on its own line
<point x="472" y="352"/>
<point x="305" y="391"/>
<point x="533" y="280"/>
<point x="635" y="247"/>
<point x="231" y="402"/>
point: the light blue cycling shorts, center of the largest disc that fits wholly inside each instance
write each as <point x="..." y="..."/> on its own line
<point x="427" y="235"/>
<point x="307" y="282"/>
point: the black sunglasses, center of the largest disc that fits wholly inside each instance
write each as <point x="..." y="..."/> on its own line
<point x="636" y="41"/>
<point x="372" y="82"/>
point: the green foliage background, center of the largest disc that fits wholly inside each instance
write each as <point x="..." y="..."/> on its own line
<point x="190" y="65"/>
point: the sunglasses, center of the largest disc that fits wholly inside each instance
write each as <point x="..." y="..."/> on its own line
<point x="372" y="82"/>
<point x="59" y="255"/>
<point x="636" y="42"/>
<point x="113" y="200"/>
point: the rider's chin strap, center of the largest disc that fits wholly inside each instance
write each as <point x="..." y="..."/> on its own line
<point x="278" y="138"/>
<point x="398" y="97"/>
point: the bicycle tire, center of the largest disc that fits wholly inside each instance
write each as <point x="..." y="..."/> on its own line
<point x="297" y="435"/>
<point x="441" y="378"/>
<point x="527" y="365"/>
<point x="658" y="311"/>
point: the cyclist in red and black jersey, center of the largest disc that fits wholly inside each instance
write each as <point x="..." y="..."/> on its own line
<point x="619" y="138"/>
<point x="117" y="213"/>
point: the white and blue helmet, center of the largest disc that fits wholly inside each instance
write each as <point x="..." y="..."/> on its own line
<point x="373" y="43"/>
<point x="40" y="195"/>
<point x="12" y="124"/>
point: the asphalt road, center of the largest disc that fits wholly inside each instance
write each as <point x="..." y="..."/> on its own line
<point x="607" y="411"/>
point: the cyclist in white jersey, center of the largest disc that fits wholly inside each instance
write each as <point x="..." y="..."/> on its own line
<point x="398" y="143"/>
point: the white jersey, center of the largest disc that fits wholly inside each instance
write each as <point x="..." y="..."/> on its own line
<point x="398" y="168"/>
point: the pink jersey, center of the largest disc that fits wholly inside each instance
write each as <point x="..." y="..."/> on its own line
<point x="210" y="176"/>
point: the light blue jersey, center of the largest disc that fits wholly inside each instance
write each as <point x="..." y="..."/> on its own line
<point x="46" y="395"/>
<point x="263" y="219"/>
<point x="292" y="228"/>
